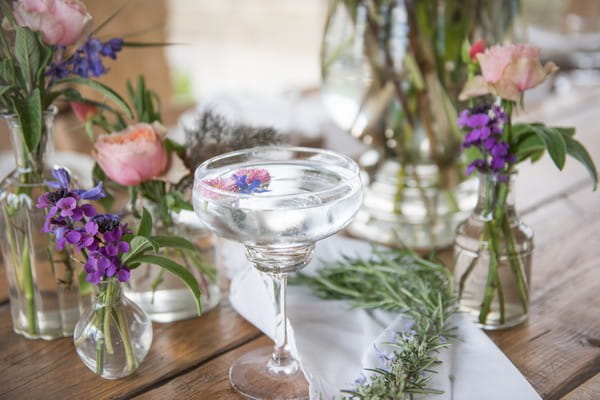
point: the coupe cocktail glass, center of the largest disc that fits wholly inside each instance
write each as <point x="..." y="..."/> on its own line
<point x="277" y="202"/>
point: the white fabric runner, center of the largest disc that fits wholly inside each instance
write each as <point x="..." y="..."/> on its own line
<point x="334" y="343"/>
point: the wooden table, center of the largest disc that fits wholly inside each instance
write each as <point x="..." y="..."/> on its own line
<point x="557" y="349"/>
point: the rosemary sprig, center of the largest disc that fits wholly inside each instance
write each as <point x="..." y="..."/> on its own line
<point x="399" y="281"/>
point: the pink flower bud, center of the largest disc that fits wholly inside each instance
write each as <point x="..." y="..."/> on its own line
<point x="83" y="111"/>
<point x="476" y="48"/>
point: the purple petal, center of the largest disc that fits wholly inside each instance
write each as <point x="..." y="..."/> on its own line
<point x="111" y="270"/>
<point x="497" y="163"/>
<point x="77" y="214"/>
<point x="463" y="118"/>
<point x="73" y="237"/>
<point x="94" y="278"/>
<point x="91" y="227"/>
<point x="123" y="275"/>
<point x="43" y="202"/>
<point x="478" y="120"/>
<point x="67" y="203"/>
<point x="95" y="193"/>
<point x="62" y="175"/>
<point x="123" y="247"/>
<point x="89" y="210"/>
<point x="490" y="143"/>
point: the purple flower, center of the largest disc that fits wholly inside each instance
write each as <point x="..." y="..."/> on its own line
<point x="62" y="179"/>
<point x="96" y="193"/>
<point x="254" y="180"/>
<point x="79" y="225"/>
<point x="485" y="126"/>
<point x="86" y="61"/>
<point x="111" y="48"/>
<point x="480" y="165"/>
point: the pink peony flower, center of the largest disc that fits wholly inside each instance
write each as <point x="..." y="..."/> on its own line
<point x="510" y="70"/>
<point x="61" y="22"/>
<point x="134" y="155"/>
<point x="83" y="111"/>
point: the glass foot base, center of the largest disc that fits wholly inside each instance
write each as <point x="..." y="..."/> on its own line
<point x="251" y="376"/>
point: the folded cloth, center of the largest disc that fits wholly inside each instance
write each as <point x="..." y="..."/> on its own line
<point x="335" y="343"/>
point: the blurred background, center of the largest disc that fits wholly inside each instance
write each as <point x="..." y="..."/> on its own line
<point x="259" y="59"/>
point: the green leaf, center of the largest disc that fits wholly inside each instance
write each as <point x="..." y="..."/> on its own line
<point x="555" y="144"/>
<point x="27" y="54"/>
<point x="7" y="71"/>
<point x="175" y="242"/>
<point x="100" y="88"/>
<point x="528" y="145"/>
<point x="45" y="58"/>
<point x="179" y="271"/>
<point x="29" y="114"/>
<point x="576" y="150"/>
<point x="139" y="245"/>
<point x="145" y="227"/>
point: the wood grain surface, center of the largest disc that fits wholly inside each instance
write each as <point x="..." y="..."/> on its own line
<point x="557" y="349"/>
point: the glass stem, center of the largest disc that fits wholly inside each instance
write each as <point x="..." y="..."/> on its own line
<point x="281" y="362"/>
<point x="281" y="352"/>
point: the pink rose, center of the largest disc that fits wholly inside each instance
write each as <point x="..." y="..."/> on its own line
<point x="512" y="69"/>
<point x="61" y="22"/>
<point x="134" y="155"/>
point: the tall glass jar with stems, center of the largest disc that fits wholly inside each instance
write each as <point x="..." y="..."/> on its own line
<point x="392" y="71"/>
<point x="43" y="284"/>
<point x="493" y="251"/>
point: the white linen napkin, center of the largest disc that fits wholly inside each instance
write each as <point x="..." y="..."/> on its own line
<point x="334" y="343"/>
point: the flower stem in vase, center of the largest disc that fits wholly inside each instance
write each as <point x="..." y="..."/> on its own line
<point x="122" y="325"/>
<point x="28" y="289"/>
<point x="516" y="264"/>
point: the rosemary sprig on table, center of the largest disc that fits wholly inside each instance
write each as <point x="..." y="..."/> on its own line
<point x="399" y="281"/>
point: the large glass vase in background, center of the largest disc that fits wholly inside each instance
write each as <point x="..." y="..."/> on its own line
<point x="392" y="72"/>
<point x="43" y="283"/>
<point x="114" y="335"/>
<point x="492" y="251"/>
<point x="164" y="297"/>
<point x="311" y="195"/>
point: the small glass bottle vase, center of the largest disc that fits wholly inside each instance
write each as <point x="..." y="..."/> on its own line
<point x="114" y="335"/>
<point x="492" y="252"/>
<point x="45" y="298"/>
<point x="162" y="295"/>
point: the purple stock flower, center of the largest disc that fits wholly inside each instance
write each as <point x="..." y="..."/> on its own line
<point x="485" y="127"/>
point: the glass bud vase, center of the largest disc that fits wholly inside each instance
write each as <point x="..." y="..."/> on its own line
<point x="43" y="285"/>
<point x="114" y="335"/>
<point x="392" y="72"/>
<point x="163" y="296"/>
<point x="492" y="252"/>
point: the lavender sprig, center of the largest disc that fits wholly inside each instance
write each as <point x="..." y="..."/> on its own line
<point x="87" y="60"/>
